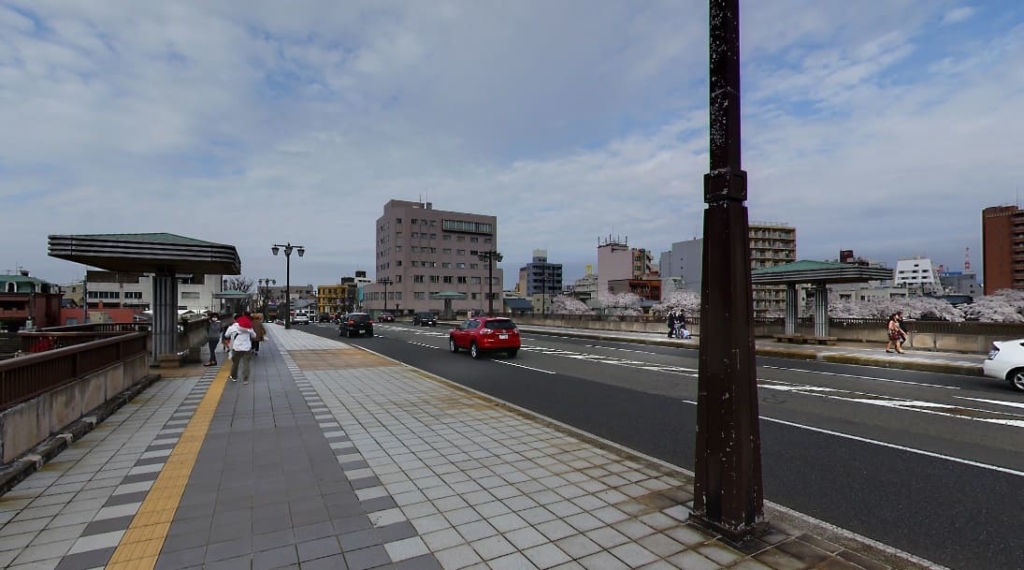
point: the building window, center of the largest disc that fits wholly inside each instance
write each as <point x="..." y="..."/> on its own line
<point x="446" y="251"/>
<point x="473" y="296"/>
<point x="419" y="295"/>
<point x="462" y="279"/>
<point x="414" y="221"/>
<point x="435" y="279"/>
<point x="11" y="288"/>
<point x="414" y="235"/>
<point x="446" y="265"/>
<point x="417" y="279"/>
<point x="476" y="281"/>
<point x="446" y="237"/>
<point x="474" y="240"/>
<point x="460" y="252"/>
<point x="474" y="266"/>
<point x="448" y="279"/>
<point x="460" y="265"/>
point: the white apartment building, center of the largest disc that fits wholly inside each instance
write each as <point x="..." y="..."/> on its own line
<point x="917" y="273"/>
<point x="432" y="259"/>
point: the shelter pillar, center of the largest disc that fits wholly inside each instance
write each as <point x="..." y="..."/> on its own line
<point x="792" y="308"/>
<point x="820" y="310"/>
<point x="165" y="315"/>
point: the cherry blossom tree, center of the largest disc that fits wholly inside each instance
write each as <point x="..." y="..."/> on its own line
<point x="566" y="305"/>
<point x="622" y="304"/>
<point x="912" y="307"/>
<point x="686" y="301"/>
<point x="1005" y="306"/>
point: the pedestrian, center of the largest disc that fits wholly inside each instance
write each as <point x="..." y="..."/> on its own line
<point x="261" y="333"/>
<point x="895" y="334"/>
<point x="681" y="330"/>
<point x="242" y="337"/>
<point x="214" y="332"/>
<point x="671" y="324"/>
<point x="904" y="333"/>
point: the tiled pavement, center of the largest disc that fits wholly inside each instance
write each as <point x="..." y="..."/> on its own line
<point x="337" y="458"/>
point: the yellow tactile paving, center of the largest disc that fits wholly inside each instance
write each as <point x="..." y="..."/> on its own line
<point x="318" y="359"/>
<point x="140" y="546"/>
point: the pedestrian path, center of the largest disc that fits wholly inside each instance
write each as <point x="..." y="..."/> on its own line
<point x="335" y="457"/>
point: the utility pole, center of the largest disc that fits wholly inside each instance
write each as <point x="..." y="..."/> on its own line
<point x="490" y="257"/>
<point x="385" y="282"/>
<point x="728" y="492"/>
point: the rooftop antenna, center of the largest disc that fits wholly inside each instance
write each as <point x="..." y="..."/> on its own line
<point x="967" y="260"/>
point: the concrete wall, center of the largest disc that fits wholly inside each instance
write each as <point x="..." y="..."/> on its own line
<point x="26" y="425"/>
<point x="941" y="341"/>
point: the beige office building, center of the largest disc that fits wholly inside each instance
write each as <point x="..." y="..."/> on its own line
<point x="431" y="258"/>
<point x="771" y="244"/>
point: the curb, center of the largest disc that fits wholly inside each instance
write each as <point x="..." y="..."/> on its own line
<point x="34" y="459"/>
<point x="790" y="353"/>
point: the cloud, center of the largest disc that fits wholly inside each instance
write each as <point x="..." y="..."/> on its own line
<point x="253" y="123"/>
<point x="957" y="15"/>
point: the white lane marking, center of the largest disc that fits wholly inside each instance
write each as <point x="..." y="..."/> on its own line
<point x="523" y="366"/>
<point x="1006" y="470"/>
<point x="996" y="402"/>
<point x="860" y="377"/>
<point x="621" y="349"/>
<point x="921" y="406"/>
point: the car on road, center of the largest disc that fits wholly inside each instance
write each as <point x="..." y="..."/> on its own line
<point x="356" y="324"/>
<point x="424" y="319"/>
<point x="1006" y="362"/>
<point x="385" y="318"/>
<point x="485" y="334"/>
<point x="300" y="318"/>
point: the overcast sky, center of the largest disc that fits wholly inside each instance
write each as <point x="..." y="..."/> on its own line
<point x="883" y="126"/>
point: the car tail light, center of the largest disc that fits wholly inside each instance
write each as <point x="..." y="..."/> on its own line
<point x="486" y="331"/>
<point x="992" y="354"/>
<point x="351" y="322"/>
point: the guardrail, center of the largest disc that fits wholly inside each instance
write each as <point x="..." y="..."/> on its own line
<point x="27" y="377"/>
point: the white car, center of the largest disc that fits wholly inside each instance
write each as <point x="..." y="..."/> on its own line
<point x="300" y="318"/>
<point x="1006" y="362"/>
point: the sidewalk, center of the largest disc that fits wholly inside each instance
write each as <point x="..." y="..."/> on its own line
<point x="862" y="354"/>
<point x="335" y="457"/>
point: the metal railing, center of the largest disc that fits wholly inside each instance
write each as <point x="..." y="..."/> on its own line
<point x="27" y="377"/>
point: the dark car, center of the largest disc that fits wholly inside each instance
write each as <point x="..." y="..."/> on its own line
<point x="385" y="318"/>
<point x="485" y="334"/>
<point x="355" y="324"/>
<point x="424" y="319"/>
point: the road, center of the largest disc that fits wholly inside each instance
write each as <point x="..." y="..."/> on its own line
<point x="927" y="463"/>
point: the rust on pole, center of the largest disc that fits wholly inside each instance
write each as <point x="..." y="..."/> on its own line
<point x="728" y="494"/>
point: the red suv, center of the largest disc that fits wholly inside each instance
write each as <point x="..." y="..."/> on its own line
<point x="485" y="334"/>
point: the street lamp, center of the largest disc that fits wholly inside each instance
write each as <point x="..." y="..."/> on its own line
<point x="490" y="257"/>
<point x="385" y="282"/>
<point x="728" y="494"/>
<point x="265" y="284"/>
<point x="288" y="247"/>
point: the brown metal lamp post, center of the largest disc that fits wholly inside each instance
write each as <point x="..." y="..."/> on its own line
<point x="490" y="257"/>
<point x="728" y="492"/>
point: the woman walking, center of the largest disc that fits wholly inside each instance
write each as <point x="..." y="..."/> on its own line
<point x="895" y="334"/>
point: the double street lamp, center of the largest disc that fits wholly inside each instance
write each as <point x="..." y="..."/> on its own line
<point x="385" y="282"/>
<point x="490" y="257"/>
<point x="288" y="247"/>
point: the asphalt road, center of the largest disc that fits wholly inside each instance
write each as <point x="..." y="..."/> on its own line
<point x="927" y="463"/>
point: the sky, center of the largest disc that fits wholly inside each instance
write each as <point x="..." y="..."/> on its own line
<point x="882" y="126"/>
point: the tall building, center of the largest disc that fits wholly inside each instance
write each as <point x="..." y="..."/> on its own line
<point x="770" y="244"/>
<point x="430" y="259"/>
<point x="542" y="279"/>
<point x="1002" y="244"/>
<point x="617" y="261"/>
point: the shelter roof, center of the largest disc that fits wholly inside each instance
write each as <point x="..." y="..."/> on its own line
<point x="807" y="271"/>
<point x="147" y="253"/>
